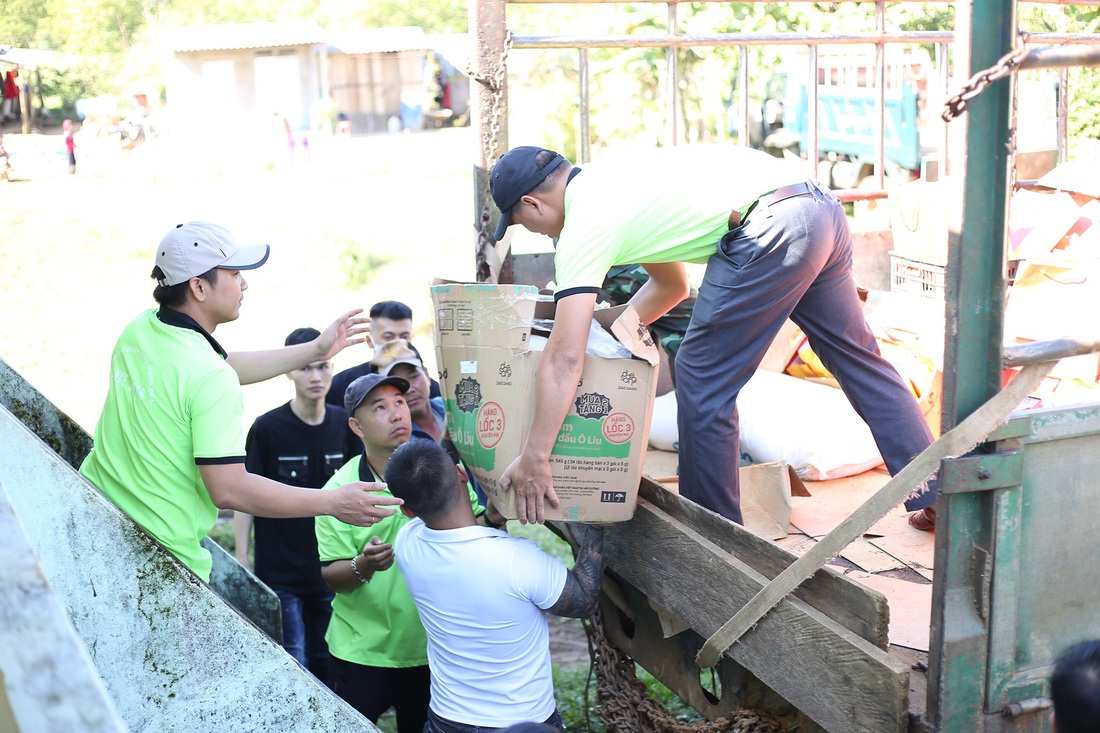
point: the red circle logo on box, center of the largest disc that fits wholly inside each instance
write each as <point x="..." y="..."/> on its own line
<point x="618" y="427"/>
<point x="490" y="424"/>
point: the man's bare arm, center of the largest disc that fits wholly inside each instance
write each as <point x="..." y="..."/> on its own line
<point x="556" y="384"/>
<point x="231" y="487"/>
<point x="667" y="286"/>
<point x="256" y="366"/>
<point x="582" y="585"/>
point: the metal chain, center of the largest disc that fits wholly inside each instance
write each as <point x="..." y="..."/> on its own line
<point x="625" y="705"/>
<point x="495" y="83"/>
<point x="977" y="83"/>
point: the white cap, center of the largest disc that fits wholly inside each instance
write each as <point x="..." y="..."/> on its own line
<point x="196" y="247"/>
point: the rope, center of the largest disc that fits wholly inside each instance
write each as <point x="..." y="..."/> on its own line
<point x="625" y="706"/>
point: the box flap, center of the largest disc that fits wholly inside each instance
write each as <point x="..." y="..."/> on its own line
<point x="625" y="325"/>
<point x="1083" y="239"/>
<point x="1076" y="176"/>
<point x="1052" y="220"/>
<point x="1051" y="299"/>
<point x="766" y="490"/>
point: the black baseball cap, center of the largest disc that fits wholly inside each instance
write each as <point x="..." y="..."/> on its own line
<point x="358" y="390"/>
<point x="514" y="175"/>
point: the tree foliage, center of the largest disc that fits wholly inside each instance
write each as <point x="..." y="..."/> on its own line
<point x="114" y="43"/>
<point x="629" y="86"/>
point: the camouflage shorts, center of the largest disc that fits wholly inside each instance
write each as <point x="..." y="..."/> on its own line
<point x="623" y="281"/>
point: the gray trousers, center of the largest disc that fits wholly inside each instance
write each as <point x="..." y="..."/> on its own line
<point x="792" y="259"/>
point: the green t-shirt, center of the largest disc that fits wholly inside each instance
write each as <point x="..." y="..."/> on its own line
<point x="376" y="624"/>
<point x="172" y="403"/>
<point x="665" y="205"/>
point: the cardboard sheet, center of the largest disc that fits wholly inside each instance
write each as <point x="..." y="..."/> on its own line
<point x="914" y="548"/>
<point x="910" y="608"/>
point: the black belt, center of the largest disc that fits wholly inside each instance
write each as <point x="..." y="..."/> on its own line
<point x="787" y="192"/>
<point x="769" y="199"/>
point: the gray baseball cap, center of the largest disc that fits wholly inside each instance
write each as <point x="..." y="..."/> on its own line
<point x="195" y="247"/>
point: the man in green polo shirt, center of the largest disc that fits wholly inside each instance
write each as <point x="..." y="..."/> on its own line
<point x="169" y="445"/>
<point x="379" y="647"/>
<point x="776" y="245"/>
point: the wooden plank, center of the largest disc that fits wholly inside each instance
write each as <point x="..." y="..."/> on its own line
<point x="958" y="441"/>
<point x="859" y="609"/>
<point x="639" y="635"/>
<point x="840" y="680"/>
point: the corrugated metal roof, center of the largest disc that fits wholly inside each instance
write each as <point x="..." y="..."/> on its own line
<point x="30" y="57"/>
<point x="378" y="40"/>
<point x="236" y="36"/>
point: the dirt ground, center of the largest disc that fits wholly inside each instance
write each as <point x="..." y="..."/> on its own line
<point x="568" y="643"/>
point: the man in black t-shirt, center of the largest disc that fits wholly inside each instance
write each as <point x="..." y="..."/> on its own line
<point x="301" y="443"/>
<point x="390" y="320"/>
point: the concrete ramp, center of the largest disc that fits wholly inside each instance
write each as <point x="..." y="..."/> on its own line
<point x="237" y="586"/>
<point x="172" y="654"/>
<point x="48" y="683"/>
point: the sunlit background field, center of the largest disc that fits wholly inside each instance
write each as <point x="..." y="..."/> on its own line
<point x="364" y="219"/>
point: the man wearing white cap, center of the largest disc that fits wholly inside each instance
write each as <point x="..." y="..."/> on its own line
<point x="169" y="445"/>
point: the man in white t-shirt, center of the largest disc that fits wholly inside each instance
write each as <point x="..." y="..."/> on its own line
<point x="482" y="596"/>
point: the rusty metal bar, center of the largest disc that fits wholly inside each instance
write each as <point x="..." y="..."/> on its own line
<point x="1027" y="707"/>
<point x="731" y="39"/>
<point x="743" y="94"/>
<point x="672" y="108"/>
<point x="1063" y="115"/>
<point x="879" y="119"/>
<point x="487" y="25"/>
<point x="775" y="39"/>
<point x="847" y="195"/>
<point x="585" y="150"/>
<point x="1054" y="57"/>
<point x="943" y="69"/>
<point x="930" y="2"/>
<point x="813" y="153"/>
<point x="1038" y="352"/>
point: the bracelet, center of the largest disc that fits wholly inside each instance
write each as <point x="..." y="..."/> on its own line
<point x="355" y="570"/>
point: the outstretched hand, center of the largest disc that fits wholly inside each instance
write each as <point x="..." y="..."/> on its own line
<point x="347" y="330"/>
<point x="357" y="504"/>
<point x="533" y="484"/>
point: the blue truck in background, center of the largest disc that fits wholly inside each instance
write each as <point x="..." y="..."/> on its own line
<point x="847" y="112"/>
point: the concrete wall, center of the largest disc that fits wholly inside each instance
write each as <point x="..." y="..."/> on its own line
<point x="198" y="104"/>
<point x="48" y="683"/>
<point x="236" y="585"/>
<point x="172" y="654"/>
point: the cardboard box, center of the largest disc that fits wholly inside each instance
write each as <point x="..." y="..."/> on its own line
<point x="766" y="491"/>
<point x="918" y="220"/>
<point x="488" y="365"/>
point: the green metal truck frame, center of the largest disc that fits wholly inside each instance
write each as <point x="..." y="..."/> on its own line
<point x="1016" y="545"/>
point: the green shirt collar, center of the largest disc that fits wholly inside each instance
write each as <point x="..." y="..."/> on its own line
<point x="182" y="320"/>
